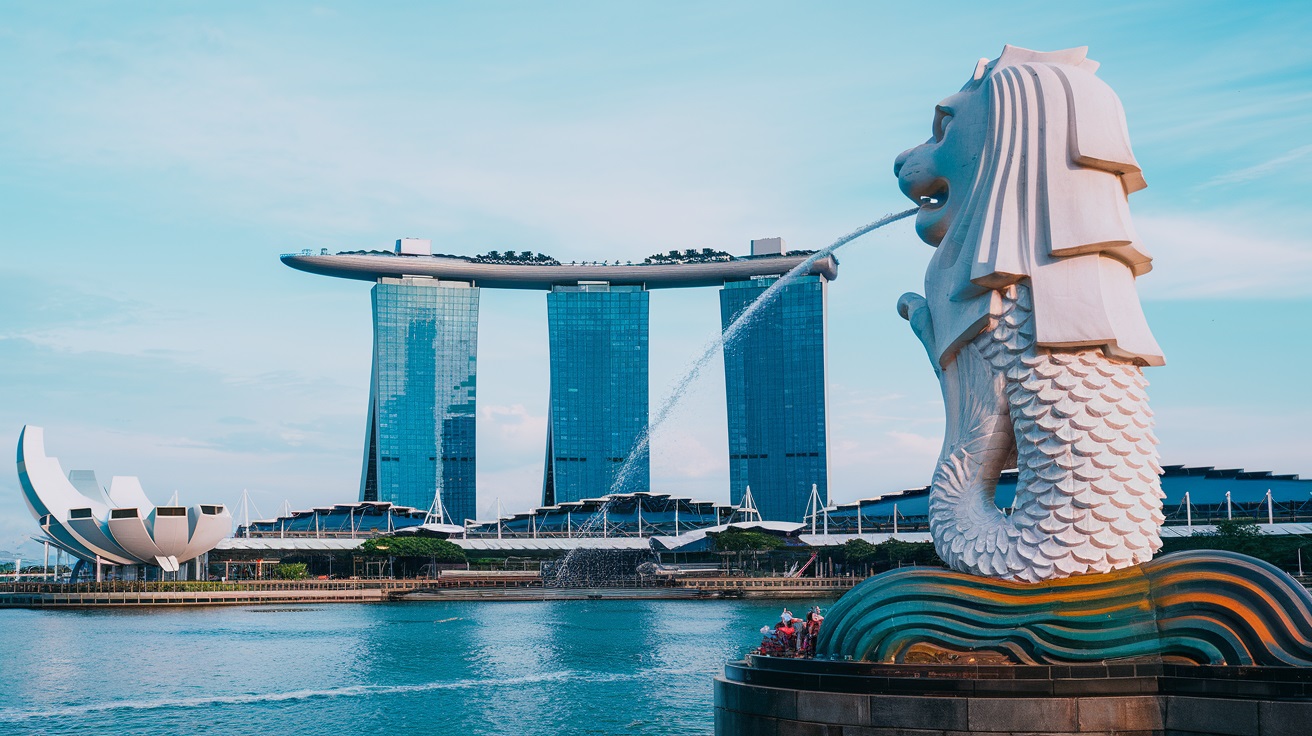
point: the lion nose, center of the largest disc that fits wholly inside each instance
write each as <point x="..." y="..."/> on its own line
<point x="899" y="161"/>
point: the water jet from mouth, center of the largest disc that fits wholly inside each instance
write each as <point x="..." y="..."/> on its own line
<point x="563" y="572"/>
<point x="729" y="335"/>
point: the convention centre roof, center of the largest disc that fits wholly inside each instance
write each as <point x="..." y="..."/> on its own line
<point x="1205" y="488"/>
<point x="669" y="522"/>
<point x="642" y="513"/>
<point x="359" y="519"/>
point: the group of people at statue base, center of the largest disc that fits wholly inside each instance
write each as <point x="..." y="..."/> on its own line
<point x="792" y="637"/>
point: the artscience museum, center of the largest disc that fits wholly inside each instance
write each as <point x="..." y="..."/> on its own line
<point x="114" y="526"/>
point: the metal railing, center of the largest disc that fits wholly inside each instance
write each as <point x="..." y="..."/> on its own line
<point x="775" y="582"/>
<point x="197" y="586"/>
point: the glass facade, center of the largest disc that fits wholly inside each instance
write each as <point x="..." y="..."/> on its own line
<point x="420" y="436"/>
<point x="774" y="377"/>
<point x="598" y="410"/>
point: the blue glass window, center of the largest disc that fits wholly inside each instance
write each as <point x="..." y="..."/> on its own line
<point x="421" y="429"/>
<point x="598" y="337"/>
<point x="774" y="376"/>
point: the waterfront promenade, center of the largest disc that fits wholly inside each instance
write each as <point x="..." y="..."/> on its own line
<point x="193" y="593"/>
<point x="490" y="587"/>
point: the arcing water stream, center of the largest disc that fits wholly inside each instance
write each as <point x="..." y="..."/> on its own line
<point x="727" y="338"/>
<point x="724" y="339"/>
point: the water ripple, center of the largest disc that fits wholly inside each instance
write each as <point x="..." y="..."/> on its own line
<point x="348" y="691"/>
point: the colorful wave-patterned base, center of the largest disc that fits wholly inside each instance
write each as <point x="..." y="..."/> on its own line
<point x="1200" y="607"/>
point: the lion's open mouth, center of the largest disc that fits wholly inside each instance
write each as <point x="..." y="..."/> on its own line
<point x="936" y="197"/>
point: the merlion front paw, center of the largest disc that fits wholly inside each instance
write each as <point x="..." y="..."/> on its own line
<point x="910" y="303"/>
<point x="915" y="310"/>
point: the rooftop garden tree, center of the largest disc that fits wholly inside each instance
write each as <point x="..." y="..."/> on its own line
<point x="1246" y="537"/>
<point x="436" y="550"/>
<point x="742" y="542"/>
<point x="888" y="554"/>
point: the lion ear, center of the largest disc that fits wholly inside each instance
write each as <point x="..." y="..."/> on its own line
<point x="1099" y="138"/>
<point x="1077" y="56"/>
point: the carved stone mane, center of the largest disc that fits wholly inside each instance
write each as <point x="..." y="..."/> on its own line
<point x="1038" y="171"/>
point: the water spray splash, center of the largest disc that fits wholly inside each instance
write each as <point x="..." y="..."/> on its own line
<point x="728" y="336"/>
<point x="564" y="573"/>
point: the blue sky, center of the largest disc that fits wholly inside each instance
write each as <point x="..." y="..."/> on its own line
<point x="156" y="158"/>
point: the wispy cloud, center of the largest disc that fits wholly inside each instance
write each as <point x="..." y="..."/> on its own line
<point x="280" y="152"/>
<point x="33" y="303"/>
<point x="138" y="414"/>
<point x="1202" y="434"/>
<point x="517" y="435"/>
<point x="1261" y="170"/>
<point x="1206" y="256"/>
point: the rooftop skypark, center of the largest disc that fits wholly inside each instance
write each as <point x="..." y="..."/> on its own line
<point x="511" y="269"/>
<point x="529" y="258"/>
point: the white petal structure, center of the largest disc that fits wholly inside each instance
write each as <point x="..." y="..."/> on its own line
<point x="119" y="525"/>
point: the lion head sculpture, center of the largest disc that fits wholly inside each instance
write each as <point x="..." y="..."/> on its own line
<point x="1026" y="177"/>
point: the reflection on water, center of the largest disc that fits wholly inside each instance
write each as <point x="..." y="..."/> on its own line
<point x="550" y="667"/>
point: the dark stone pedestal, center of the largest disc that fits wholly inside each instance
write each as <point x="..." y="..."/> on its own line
<point x="784" y="697"/>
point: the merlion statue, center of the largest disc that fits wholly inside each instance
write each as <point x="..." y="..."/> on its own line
<point x="1032" y="322"/>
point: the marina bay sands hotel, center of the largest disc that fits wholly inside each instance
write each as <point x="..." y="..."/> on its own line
<point x="420" y="441"/>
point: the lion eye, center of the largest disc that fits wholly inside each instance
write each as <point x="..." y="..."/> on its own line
<point x="942" y="119"/>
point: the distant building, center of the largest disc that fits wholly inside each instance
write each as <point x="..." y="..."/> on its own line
<point x="598" y="405"/>
<point x="420" y="437"/>
<point x="774" y="375"/>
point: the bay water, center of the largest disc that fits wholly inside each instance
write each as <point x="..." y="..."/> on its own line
<point x="468" y="668"/>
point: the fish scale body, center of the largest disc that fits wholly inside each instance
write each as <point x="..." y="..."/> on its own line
<point x="1088" y="494"/>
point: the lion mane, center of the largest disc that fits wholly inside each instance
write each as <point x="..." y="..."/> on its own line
<point x="1048" y="204"/>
